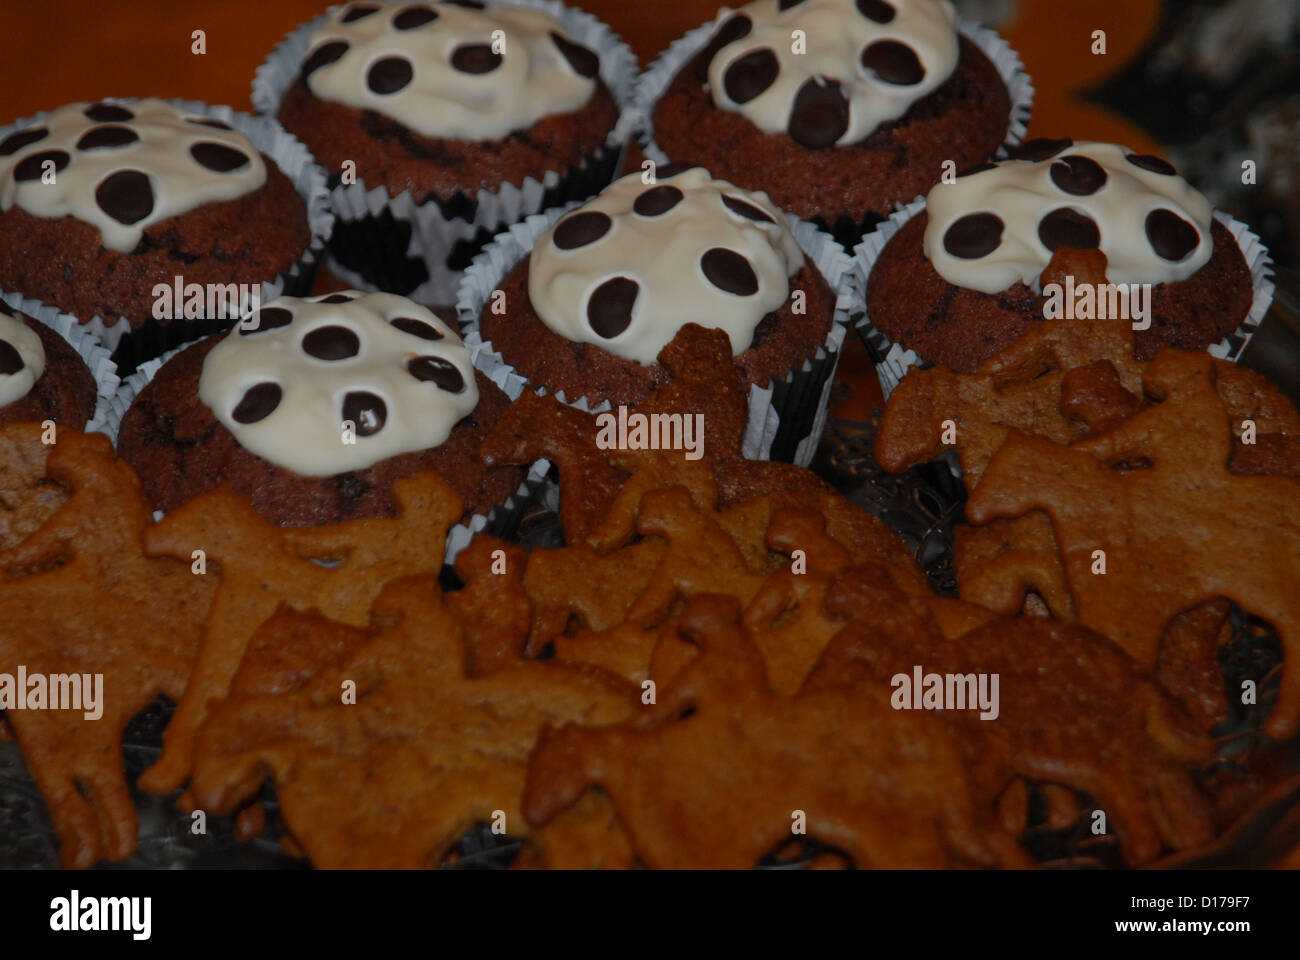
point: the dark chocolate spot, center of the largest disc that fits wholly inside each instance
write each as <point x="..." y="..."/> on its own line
<point x="609" y="311"/>
<point x="31" y="168"/>
<point x="584" y="61"/>
<point x="750" y="75"/>
<point x="1040" y="148"/>
<point x="893" y="62"/>
<point x="733" y="28"/>
<point x="1170" y="235"/>
<point x="1154" y="164"/>
<point x="268" y="318"/>
<point x="1081" y="176"/>
<point x="727" y="270"/>
<point x="657" y="201"/>
<point x="218" y="157"/>
<point x="103" y="137"/>
<point x="336" y="298"/>
<point x="820" y="114"/>
<point x="258" y="403"/>
<point x="978" y="168"/>
<point x="322" y="56"/>
<point x="413" y="17"/>
<point x="438" y="370"/>
<point x="16" y="141"/>
<point x="668" y="170"/>
<point x="209" y="122"/>
<point x="1068" y="228"/>
<point x="467" y="4"/>
<point x="331" y="343"/>
<point x="417" y="328"/>
<point x="126" y="196"/>
<point x="390" y="74"/>
<point x="784" y="5"/>
<point x="475" y="58"/>
<point x="973" y="236"/>
<point x="745" y="209"/>
<point x="108" y="113"/>
<point x="358" y="13"/>
<point x="11" y="361"/>
<point x="367" y="412"/>
<point x="581" y="229"/>
<point x="876" y="10"/>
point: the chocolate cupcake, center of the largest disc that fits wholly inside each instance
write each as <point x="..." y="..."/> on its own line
<point x="581" y="302"/>
<point x="41" y="376"/>
<point x="441" y="123"/>
<point x="840" y="110"/>
<point x="107" y="209"/>
<point x="954" y="279"/>
<point x="51" y="369"/>
<point x="312" y="409"/>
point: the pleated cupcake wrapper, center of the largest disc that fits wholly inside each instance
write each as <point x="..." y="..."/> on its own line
<point x="846" y="229"/>
<point x="894" y="360"/>
<point x="132" y="346"/>
<point x="500" y="520"/>
<point x="419" y="249"/>
<point x="88" y="347"/>
<point x="786" y="418"/>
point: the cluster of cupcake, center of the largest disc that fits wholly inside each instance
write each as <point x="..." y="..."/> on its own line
<point x="811" y="165"/>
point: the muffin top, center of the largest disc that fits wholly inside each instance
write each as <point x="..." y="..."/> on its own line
<point x="22" y="357"/>
<point x="830" y="72"/>
<point x="633" y="265"/>
<point x="999" y="224"/>
<point x="457" y="69"/>
<point x="339" y="382"/>
<point x="124" y="167"/>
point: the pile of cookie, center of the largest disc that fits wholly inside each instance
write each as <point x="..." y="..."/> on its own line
<point x="707" y="671"/>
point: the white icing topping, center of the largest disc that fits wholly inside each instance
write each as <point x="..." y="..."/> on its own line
<point x="837" y="34"/>
<point x="303" y="429"/>
<point x="104" y="186"/>
<point x="15" y="334"/>
<point x="1021" y="193"/>
<point x="669" y="257"/>
<point x="495" y="89"/>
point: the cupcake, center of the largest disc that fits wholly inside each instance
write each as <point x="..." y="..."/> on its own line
<point x="41" y="375"/>
<point x="155" y="221"/>
<point x="440" y="123"/>
<point x="956" y="279"/>
<point x="313" y="409"/>
<point x="839" y="110"/>
<point x="583" y="302"/>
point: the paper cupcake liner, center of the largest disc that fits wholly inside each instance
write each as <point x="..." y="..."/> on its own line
<point x="500" y="520"/>
<point x="786" y="418"/>
<point x="419" y="249"/>
<point x="132" y="346"/>
<point x="892" y="360"/>
<point x="88" y="347"/>
<point x="845" y="228"/>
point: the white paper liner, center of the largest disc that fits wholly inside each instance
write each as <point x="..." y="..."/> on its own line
<point x="293" y="159"/>
<point x="765" y="403"/>
<point x="433" y="236"/>
<point x="660" y="74"/>
<point x="88" y="347"/>
<point x="893" y="360"/>
<point x="457" y="536"/>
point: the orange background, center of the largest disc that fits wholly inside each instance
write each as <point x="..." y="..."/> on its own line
<point x="59" y="51"/>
